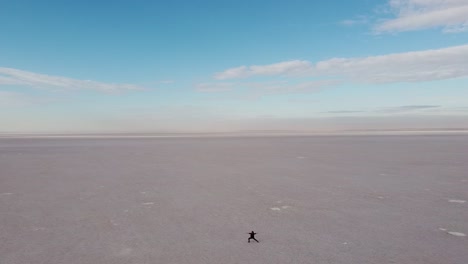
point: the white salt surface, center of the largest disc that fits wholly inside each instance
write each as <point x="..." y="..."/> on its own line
<point x="457" y="201"/>
<point x="458" y="234"/>
<point x="210" y="192"/>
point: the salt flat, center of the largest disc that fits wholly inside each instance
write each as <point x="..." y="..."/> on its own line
<point x="317" y="199"/>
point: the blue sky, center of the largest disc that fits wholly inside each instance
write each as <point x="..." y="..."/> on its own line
<point x="148" y="66"/>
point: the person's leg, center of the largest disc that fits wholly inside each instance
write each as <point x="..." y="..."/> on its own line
<point x="256" y="240"/>
<point x="249" y="239"/>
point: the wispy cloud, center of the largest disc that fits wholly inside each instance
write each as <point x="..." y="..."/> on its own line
<point x="359" y="20"/>
<point x="213" y="87"/>
<point x="417" y="66"/>
<point x="167" y="82"/>
<point x="409" y="15"/>
<point x="256" y="90"/>
<point x="281" y="68"/>
<point x="407" y="108"/>
<point x="343" y="112"/>
<point x="288" y="87"/>
<point x="15" y="77"/>
<point x="389" y="110"/>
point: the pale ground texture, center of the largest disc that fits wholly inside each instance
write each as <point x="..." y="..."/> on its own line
<point x="340" y="199"/>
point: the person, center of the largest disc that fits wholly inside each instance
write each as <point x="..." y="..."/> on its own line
<point x="252" y="236"/>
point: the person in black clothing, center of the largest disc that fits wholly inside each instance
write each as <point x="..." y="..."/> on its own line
<point x="252" y="236"/>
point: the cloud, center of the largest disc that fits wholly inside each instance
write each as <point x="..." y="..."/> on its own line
<point x="15" y="77"/>
<point x="167" y="82"/>
<point x="409" y="15"/>
<point x="396" y="109"/>
<point x="213" y="87"/>
<point x="417" y="66"/>
<point x="359" y="20"/>
<point x="407" y="108"/>
<point x="349" y="22"/>
<point x="288" y="87"/>
<point x="256" y="90"/>
<point x="286" y="67"/>
<point x="343" y="112"/>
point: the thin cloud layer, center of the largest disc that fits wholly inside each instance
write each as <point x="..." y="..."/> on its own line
<point x="409" y="15"/>
<point x="396" y="109"/>
<point x="213" y="87"/>
<point x="407" y="108"/>
<point x="256" y="90"/>
<point x="287" y="87"/>
<point x="359" y="20"/>
<point x="286" y="67"/>
<point x="15" y="77"/>
<point x="418" y="66"/>
<point x="344" y="112"/>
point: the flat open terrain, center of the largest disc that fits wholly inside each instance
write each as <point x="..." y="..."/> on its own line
<point x="337" y="199"/>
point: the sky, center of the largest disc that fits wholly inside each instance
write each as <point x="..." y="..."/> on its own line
<point x="215" y="66"/>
